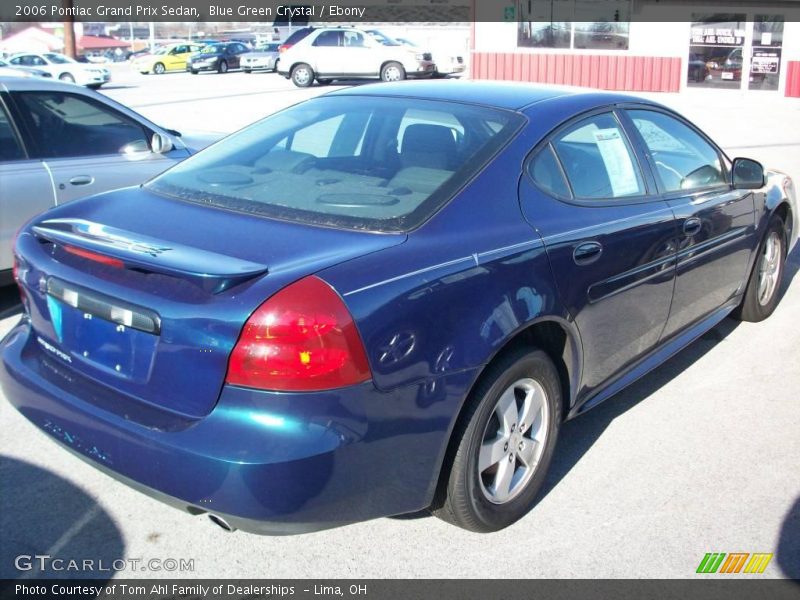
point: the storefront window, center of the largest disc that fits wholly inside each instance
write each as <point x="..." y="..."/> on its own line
<point x="716" y="51"/>
<point x="765" y="66"/>
<point x="579" y="24"/>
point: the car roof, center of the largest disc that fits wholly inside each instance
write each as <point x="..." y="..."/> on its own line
<point x="26" y="84"/>
<point x="498" y="94"/>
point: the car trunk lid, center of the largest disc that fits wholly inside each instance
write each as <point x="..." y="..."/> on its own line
<point x="147" y="295"/>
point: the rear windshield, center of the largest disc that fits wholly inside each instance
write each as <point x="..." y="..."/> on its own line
<point x="361" y="162"/>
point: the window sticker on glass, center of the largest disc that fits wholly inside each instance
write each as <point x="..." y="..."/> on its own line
<point x="618" y="162"/>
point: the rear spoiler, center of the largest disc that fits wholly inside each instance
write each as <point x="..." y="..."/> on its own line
<point x="212" y="272"/>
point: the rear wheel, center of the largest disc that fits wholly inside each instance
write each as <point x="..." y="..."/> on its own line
<point x="761" y="295"/>
<point x="324" y="81"/>
<point x="247" y="70"/>
<point x="302" y="75"/>
<point x="223" y="67"/>
<point x="503" y="445"/>
<point x="67" y="77"/>
<point x="194" y="71"/>
<point x="393" y="71"/>
<point x="159" y="69"/>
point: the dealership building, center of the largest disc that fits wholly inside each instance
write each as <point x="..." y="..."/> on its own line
<point x="632" y="45"/>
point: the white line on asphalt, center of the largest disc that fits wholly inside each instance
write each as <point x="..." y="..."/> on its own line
<point x="66" y="537"/>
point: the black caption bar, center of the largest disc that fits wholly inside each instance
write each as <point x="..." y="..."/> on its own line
<point x="371" y="11"/>
<point x="393" y="589"/>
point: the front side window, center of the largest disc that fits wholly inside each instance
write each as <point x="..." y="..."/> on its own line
<point x="598" y="159"/>
<point x="683" y="159"/>
<point x="354" y="39"/>
<point x="356" y="162"/>
<point x="65" y="125"/>
<point x="9" y="144"/>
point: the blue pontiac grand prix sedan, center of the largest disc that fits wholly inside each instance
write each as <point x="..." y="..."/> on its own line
<point x="385" y="299"/>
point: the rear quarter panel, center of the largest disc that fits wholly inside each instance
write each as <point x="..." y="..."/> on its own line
<point x="458" y="289"/>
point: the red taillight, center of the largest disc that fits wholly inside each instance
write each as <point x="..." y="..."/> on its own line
<point x="283" y="48"/>
<point x="301" y="339"/>
<point x="94" y="256"/>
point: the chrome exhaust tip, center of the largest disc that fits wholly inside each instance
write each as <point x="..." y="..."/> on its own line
<point x="217" y="520"/>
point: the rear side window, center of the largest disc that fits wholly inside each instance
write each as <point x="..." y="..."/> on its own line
<point x="598" y="159"/>
<point x="547" y="174"/>
<point x="357" y="162"/>
<point x="65" y="125"/>
<point x="9" y="145"/>
<point x="298" y="35"/>
<point x="329" y="38"/>
<point x="683" y="159"/>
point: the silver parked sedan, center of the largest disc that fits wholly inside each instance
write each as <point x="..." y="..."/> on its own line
<point x="264" y="57"/>
<point x="59" y="142"/>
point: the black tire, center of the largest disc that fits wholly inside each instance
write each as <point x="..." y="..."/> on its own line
<point x="462" y="498"/>
<point x="95" y="86"/>
<point x="302" y="75"/>
<point x="194" y="72"/>
<point x="159" y="68"/>
<point x="758" y="304"/>
<point x="324" y="81"/>
<point x="248" y="71"/>
<point x="222" y="67"/>
<point x="393" y="71"/>
<point x="66" y="77"/>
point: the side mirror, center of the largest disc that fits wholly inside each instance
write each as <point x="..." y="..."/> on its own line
<point x="747" y="174"/>
<point x="160" y="144"/>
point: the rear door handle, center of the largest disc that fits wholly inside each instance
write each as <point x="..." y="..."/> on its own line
<point x="692" y="225"/>
<point x="82" y="180"/>
<point x="587" y="252"/>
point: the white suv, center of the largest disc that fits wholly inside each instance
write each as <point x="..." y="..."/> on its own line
<point x="343" y="53"/>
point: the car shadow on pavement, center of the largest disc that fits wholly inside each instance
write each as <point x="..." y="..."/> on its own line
<point x="789" y="544"/>
<point x="44" y="514"/>
<point x="791" y="268"/>
<point x="579" y="435"/>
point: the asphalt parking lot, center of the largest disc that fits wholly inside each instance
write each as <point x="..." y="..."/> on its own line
<point x="702" y="455"/>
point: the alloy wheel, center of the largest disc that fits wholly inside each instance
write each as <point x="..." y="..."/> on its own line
<point x="769" y="269"/>
<point x="513" y="441"/>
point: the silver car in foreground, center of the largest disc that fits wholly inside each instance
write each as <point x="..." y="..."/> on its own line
<point x="59" y="142"/>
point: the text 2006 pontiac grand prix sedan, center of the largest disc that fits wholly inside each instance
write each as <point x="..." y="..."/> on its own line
<point x="385" y="299"/>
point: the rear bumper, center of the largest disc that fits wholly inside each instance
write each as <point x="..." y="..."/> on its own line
<point x="265" y="462"/>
